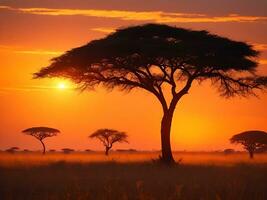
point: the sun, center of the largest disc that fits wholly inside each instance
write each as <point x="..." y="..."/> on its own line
<point x="61" y="86"/>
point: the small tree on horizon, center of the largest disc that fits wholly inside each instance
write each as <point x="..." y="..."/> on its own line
<point x="108" y="137"/>
<point x="164" y="61"/>
<point x="251" y="141"/>
<point x="67" y="150"/>
<point x="12" y="149"/>
<point x="40" y="133"/>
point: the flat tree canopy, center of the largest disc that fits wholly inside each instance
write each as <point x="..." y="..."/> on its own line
<point x="161" y="59"/>
<point x="108" y="137"/>
<point x="252" y="136"/>
<point x="124" y="58"/>
<point x="40" y="133"/>
<point x="251" y="140"/>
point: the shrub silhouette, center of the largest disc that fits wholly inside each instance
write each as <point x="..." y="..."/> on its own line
<point x="67" y="150"/>
<point x="12" y="149"/>
<point x="40" y="133"/>
<point x="228" y="151"/>
<point x="161" y="59"/>
<point x="108" y="137"/>
<point x="251" y="141"/>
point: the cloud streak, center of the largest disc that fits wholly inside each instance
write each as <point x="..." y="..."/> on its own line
<point x="153" y="16"/>
<point x="19" y="50"/>
<point x="32" y="88"/>
<point x="103" y="30"/>
<point x="260" y="47"/>
<point x="24" y="88"/>
<point x="40" y="52"/>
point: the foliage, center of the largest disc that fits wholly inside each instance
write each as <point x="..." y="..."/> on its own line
<point x="251" y="140"/>
<point x="12" y="149"/>
<point x="109" y="136"/>
<point x="148" y="56"/>
<point x="41" y="132"/>
<point x="67" y="150"/>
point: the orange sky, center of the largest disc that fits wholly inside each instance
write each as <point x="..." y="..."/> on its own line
<point x="32" y="32"/>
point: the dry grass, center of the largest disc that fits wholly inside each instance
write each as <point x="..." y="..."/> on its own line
<point x="132" y="176"/>
<point x="218" y="159"/>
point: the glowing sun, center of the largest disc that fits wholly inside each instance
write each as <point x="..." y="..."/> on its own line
<point x="61" y="86"/>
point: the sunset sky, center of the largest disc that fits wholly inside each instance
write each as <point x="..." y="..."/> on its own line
<point x="32" y="32"/>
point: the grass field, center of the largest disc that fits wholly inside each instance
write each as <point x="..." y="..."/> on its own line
<point x="132" y="176"/>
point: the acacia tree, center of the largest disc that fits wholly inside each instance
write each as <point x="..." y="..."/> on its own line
<point x="40" y="133"/>
<point x="67" y="150"/>
<point x="12" y="149"/>
<point x="108" y="137"/>
<point x="251" y="141"/>
<point x="164" y="61"/>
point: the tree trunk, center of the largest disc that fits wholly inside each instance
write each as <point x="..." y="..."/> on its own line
<point x="166" y="121"/>
<point x="107" y="151"/>
<point x="43" y="146"/>
<point x="251" y="154"/>
<point x="165" y="137"/>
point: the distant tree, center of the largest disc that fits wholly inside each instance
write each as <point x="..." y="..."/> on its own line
<point x="108" y="137"/>
<point x="228" y="151"/>
<point x="67" y="150"/>
<point x="164" y="61"/>
<point x="251" y="140"/>
<point x="12" y="149"/>
<point x="127" y="150"/>
<point x="40" y="133"/>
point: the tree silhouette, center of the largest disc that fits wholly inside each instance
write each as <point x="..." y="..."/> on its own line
<point x="40" y="133"/>
<point x="164" y="61"/>
<point x="251" y="141"/>
<point x="67" y="150"/>
<point x="12" y="149"/>
<point x="228" y="151"/>
<point x="108" y="137"/>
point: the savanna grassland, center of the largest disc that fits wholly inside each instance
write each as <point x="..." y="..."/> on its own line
<point x="132" y="176"/>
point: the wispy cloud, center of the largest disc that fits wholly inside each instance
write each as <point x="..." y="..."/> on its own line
<point x="260" y="47"/>
<point x="103" y="30"/>
<point x="40" y="52"/>
<point x="26" y="88"/>
<point x="32" y="88"/>
<point x="5" y="90"/>
<point x="154" y="16"/>
<point x="20" y="50"/>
